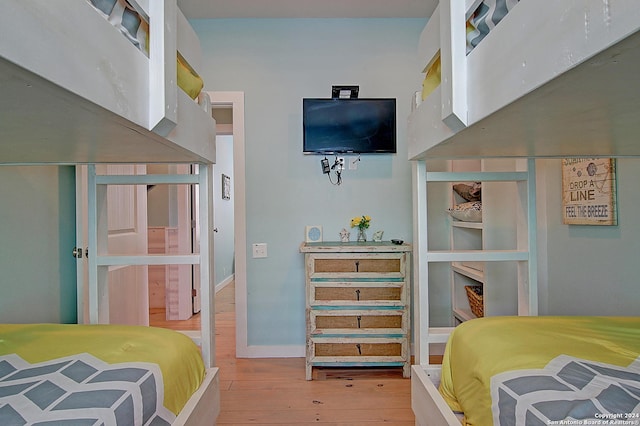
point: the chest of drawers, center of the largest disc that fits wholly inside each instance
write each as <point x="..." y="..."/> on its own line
<point x="357" y="305"/>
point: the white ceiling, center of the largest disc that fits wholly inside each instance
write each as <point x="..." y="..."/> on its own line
<point x="210" y="9"/>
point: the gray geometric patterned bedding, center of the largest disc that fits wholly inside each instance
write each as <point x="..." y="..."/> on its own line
<point x="568" y="391"/>
<point x="81" y="390"/>
<point x="121" y="15"/>
<point x="485" y="18"/>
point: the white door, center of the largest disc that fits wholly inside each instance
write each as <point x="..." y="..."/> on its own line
<point x="127" y="235"/>
<point x="179" y="292"/>
<point x="195" y="238"/>
<point x="128" y="294"/>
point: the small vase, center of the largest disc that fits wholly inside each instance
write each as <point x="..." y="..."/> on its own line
<point x="362" y="236"/>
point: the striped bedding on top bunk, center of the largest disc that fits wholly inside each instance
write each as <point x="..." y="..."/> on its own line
<point x="485" y="18"/>
<point x="125" y="18"/>
<point x="488" y="14"/>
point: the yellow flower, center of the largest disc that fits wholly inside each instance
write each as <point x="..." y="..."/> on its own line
<point x="361" y="222"/>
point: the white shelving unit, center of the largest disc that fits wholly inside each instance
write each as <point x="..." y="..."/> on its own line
<point x="464" y="236"/>
<point x="498" y="253"/>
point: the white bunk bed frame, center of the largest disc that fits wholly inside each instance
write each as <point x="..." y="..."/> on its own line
<point x="560" y="92"/>
<point x="567" y="89"/>
<point x="102" y="100"/>
<point x="75" y="91"/>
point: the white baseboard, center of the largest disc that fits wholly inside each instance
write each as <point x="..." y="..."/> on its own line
<point x="225" y="282"/>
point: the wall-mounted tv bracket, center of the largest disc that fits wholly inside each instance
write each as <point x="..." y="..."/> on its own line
<point x="345" y="92"/>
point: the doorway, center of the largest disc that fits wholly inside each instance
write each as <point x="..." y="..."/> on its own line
<point x="229" y="109"/>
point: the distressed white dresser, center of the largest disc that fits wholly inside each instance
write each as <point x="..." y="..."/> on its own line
<point x="357" y="305"/>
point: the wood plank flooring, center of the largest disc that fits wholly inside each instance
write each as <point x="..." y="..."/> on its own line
<point x="273" y="391"/>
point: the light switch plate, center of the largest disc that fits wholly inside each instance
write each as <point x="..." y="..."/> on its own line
<point x="259" y="250"/>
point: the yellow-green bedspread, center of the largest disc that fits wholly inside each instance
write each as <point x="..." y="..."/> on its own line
<point x="178" y="357"/>
<point x="482" y="348"/>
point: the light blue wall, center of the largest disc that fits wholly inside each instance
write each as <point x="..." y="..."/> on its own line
<point x="277" y="63"/>
<point x="37" y="231"/>
<point x="592" y="270"/>
<point x="223" y="211"/>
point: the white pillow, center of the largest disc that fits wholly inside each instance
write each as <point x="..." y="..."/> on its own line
<point x="467" y="212"/>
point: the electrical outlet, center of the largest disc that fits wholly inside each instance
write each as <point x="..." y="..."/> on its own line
<point x="340" y="166"/>
<point x="353" y="163"/>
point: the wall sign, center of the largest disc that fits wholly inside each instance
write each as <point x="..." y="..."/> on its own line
<point x="589" y="191"/>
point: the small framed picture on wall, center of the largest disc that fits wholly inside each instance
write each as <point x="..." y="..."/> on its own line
<point x="226" y="187"/>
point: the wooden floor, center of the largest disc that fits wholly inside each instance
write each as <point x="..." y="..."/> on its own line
<point x="274" y="391"/>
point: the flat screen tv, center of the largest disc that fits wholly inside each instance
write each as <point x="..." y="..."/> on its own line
<point x="363" y="126"/>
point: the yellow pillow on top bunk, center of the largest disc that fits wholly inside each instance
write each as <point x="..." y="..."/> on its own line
<point x="486" y="16"/>
<point x="188" y="80"/>
<point x="432" y="79"/>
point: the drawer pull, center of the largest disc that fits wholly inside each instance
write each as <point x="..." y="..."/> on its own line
<point x="359" y="318"/>
<point x="358" y="294"/>
<point x="359" y="349"/>
<point x="357" y="266"/>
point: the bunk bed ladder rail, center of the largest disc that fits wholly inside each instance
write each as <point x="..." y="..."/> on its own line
<point x="99" y="260"/>
<point x="525" y="254"/>
<point x="445" y="38"/>
<point x="453" y="63"/>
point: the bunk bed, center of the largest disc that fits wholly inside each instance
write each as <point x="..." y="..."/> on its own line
<point x="545" y="81"/>
<point x="98" y="98"/>
<point x="562" y="72"/>
<point x="109" y="81"/>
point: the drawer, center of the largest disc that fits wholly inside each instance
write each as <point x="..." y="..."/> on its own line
<point x="356" y="265"/>
<point x="358" y="349"/>
<point x="358" y="322"/>
<point x="354" y="349"/>
<point x="357" y="293"/>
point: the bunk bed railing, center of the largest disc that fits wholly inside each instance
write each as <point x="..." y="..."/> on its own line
<point x="453" y="64"/>
<point x="99" y="97"/>
<point x="541" y="74"/>
<point x="444" y="38"/>
<point x="171" y="38"/>
<point x="163" y="89"/>
<point x="93" y="60"/>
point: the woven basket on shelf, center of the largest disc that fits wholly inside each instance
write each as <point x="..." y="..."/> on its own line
<point x="474" y="294"/>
